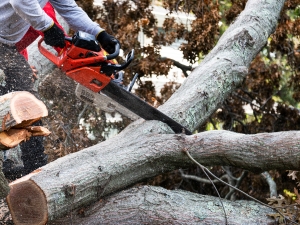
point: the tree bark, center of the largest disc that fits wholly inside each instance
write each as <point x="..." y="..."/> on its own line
<point x="226" y="66"/>
<point x="156" y="205"/>
<point x="147" y="148"/>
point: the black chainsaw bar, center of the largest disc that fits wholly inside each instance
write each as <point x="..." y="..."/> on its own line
<point x="140" y="107"/>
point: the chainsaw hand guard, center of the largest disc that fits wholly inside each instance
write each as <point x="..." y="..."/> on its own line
<point x="116" y="53"/>
<point x="109" y="68"/>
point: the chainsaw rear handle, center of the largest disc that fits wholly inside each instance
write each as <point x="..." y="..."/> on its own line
<point x="69" y="39"/>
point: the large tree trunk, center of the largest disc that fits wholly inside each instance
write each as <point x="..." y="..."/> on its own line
<point x="143" y="150"/>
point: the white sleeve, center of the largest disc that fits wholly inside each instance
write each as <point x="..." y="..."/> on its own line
<point x="76" y="18"/>
<point x="32" y="12"/>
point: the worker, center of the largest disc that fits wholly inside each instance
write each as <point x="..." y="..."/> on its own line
<point x="16" y="18"/>
<point x="11" y="169"/>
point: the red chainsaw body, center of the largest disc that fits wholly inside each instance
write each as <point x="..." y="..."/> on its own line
<point x="81" y="65"/>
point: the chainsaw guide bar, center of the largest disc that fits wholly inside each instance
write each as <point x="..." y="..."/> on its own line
<point x="103" y="102"/>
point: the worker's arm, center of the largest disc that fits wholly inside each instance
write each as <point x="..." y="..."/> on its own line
<point x="76" y="18"/>
<point x="32" y="12"/>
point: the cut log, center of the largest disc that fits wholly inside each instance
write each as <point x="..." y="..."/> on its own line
<point x="20" y="109"/>
<point x="38" y="131"/>
<point x="156" y="205"/>
<point x="33" y="200"/>
<point x="11" y="138"/>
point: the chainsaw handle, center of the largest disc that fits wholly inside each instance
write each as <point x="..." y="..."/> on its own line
<point x="47" y="53"/>
<point x="116" y="53"/>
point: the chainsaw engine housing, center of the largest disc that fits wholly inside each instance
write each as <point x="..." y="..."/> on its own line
<point x="86" y="41"/>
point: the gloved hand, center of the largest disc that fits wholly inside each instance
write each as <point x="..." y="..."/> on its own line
<point x="54" y="36"/>
<point x="107" y="41"/>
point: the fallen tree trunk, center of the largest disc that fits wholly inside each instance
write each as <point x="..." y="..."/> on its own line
<point x="156" y="205"/>
<point x="84" y="177"/>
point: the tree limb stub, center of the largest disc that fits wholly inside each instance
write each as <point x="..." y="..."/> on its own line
<point x="81" y="178"/>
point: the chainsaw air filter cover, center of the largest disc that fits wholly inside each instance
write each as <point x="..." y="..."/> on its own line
<point x="86" y="41"/>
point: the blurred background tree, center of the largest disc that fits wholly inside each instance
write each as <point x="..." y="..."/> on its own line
<point x="267" y="101"/>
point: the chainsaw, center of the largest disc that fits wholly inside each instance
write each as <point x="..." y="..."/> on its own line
<point x="100" y="77"/>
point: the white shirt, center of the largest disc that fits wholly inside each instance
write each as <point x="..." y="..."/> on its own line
<point x="16" y="16"/>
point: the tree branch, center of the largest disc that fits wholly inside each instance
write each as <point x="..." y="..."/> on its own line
<point x="225" y="67"/>
<point x="181" y="66"/>
<point x="156" y="205"/>
<point x="271" y="183"/>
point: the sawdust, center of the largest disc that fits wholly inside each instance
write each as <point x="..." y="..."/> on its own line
<point x="5" y="217"/>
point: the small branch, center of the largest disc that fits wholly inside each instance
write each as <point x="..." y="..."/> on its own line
<point x="231" y="181"/>
<point x="202" y="180"/>
<point x="210" y="173"/>
<point x="204" y="171"/>
<point x="213" y="123"/>
<point x="271" y="183"/>
<point x="183" y="67"/>
<point x="239" y="181"/>
<point x="81" y="113"/>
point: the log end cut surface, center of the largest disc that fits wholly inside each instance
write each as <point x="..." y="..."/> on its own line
<point x="27" y="203"/>
<point x="25" y="106"/>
